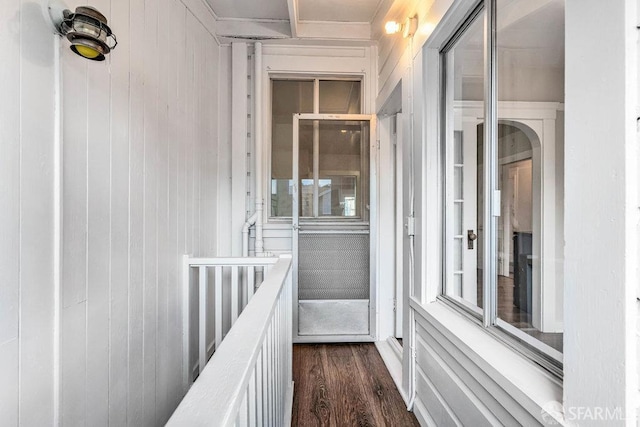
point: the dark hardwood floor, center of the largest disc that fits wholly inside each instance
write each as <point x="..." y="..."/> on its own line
<point x="345" y="385"/>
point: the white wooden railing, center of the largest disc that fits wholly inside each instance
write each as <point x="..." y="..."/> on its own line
<point x="248" y="381"/>
<point x="215" y="291"/>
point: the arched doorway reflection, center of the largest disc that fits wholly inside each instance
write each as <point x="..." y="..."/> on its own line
<point x="519" y="227"/>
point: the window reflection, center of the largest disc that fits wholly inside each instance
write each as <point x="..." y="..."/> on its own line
<point x="530" y="234"/>
<point x="342" y="163"/>
<point x="463" y="62"/>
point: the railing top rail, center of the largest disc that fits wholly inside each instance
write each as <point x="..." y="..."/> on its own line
<point x="214" y="399"/>
<point x="231" y="261"/>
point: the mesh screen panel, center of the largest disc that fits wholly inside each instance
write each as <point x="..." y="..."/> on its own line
<point x="333" y="266"/>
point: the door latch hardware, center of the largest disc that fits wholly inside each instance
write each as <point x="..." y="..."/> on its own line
<point x="471" y="236"/>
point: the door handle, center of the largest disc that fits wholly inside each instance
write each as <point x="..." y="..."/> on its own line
<point x="471" y="236"/>
<point x="295" y="227"/>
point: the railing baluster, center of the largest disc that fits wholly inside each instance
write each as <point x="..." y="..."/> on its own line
<point x="218" y="303"/>
<point x="251" y="281"/>
<point x="252" y="399"/>
<point x="265" y="380"/>
<point x="243" y="287"/>
<point x="276" y="361"/>
<point x="281" y="352"/>
<point x="234" y="294"/>
<point x="186" y="311"/>
<point x="270" y="374"/>
<point x="202" y="332"/>
<point x="242" y="419"/>
<point x="259" y="389"/>
<point x="273" y="373"/>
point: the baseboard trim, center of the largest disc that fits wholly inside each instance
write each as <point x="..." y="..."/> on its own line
<point x="393" y="364"/>
<point x="288" y="412"/>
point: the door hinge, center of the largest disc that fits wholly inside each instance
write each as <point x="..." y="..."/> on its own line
<point x="378" y="144"/>
<point x="395" y="304"/>
<point x="410" y="225"/>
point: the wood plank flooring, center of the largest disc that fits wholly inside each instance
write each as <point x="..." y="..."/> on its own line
<point x="345" y="385"/>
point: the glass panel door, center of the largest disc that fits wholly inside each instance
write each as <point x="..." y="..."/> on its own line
<point x="331" y="242"/>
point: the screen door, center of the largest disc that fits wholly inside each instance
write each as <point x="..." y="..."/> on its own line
<point x="331" y="231"/>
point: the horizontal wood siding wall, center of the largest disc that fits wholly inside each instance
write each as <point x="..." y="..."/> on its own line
<point x="453" y="389"/>
<point x="137" y="188"/>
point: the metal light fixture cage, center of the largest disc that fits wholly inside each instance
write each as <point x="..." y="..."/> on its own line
<point x="88" y="32"/>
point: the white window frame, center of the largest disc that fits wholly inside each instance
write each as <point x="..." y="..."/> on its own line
<point x="540" y="352"/>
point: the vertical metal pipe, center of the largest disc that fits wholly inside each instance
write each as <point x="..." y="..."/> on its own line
<point x="258" y="147"/>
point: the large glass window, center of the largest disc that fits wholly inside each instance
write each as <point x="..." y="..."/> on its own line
<point x="503" y="145"/>
<point x="289" y="97"/>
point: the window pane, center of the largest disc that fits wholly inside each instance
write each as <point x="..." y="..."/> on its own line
<point x="288" y="97"/>
<point x="342" y="168"/>
<point x="464" y="88"/>
<point x="530" y="170"/>
<point x="344" y="163"/>
<point x="339" y="97"/>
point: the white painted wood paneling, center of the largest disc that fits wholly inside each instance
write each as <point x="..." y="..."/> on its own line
<point x="164" y="247"/>
<point x="98" y="237"/>
<point x="224" y="153"/>
<point x="9" y="214"/>
<point x="37" y="87"/>
<point x="119" y="203"/>
<point x="139" y="187"/>
<point x="467" y="377"/>
<point x="601" y="187"/>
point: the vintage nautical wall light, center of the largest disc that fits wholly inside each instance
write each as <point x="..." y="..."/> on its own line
<point x="86" y="29"/>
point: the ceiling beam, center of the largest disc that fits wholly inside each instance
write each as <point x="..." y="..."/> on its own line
<point x="253" y="28"/>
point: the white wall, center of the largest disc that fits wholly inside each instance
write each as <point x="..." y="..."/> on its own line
<point x="27" y="226"/>
<point x="601" y="179"/>
<point x="98" y="208"/>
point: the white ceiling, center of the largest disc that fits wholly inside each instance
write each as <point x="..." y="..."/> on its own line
<point x="250" y="9"/>
<point x="337" y="10"/>
<point x="539" y="23"/>
<point x="300" y="19"/>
